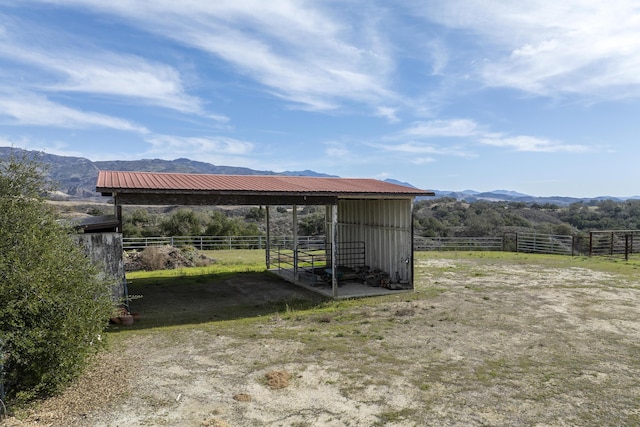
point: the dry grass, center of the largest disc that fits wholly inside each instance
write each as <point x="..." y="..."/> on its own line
<point x="105" y="383"/>
<point x="487" y="339"/>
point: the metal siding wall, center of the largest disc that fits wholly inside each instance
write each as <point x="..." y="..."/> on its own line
<point x="384" y="226"/>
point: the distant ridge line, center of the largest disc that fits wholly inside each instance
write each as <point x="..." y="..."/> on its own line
<point x="76" y="178"/>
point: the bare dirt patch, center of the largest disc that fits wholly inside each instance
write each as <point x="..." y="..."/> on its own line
<point x="479" y="343"/>
<point x="242" y="397"/>
<point x="278" y="379"/>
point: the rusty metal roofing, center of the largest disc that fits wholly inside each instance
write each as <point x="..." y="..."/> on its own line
<point x="133" y="182"/>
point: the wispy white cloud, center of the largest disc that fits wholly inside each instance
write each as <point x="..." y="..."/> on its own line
<point x="119" y="75"/>
<point x="388" y="113"/>
<point x="420" y="133"/>
<point x="20" y="108"/>
<point x="422" y="160"/>
<point x="64" y="65"/>
<point x="589" y="48"/>
<point x="217" y="150"/>
<point x="442" y="128"/>
<point x="336" y="151"/>
<point x="423" y="152"/>
<point x="439" y="56"/>
<point x="414" y="148"/>
<point x="303" y="52"/>
<point x="531" y="144"/>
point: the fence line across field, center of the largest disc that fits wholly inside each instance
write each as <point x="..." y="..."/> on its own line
<point x="220" y="242"/>
<point x="458" y="243"/>
<point x="307" y="242"/>
<point x="596" y="243"/>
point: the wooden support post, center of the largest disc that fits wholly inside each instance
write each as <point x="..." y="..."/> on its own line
<point x="410" y="261"/>
<point x="626" y="246"/>
<point x="611" y="244"/>
<point x="334" y="250"/>
<point x="119" y="218"/>
<point x="295" y="244"/>
<point x="267" y="245"/>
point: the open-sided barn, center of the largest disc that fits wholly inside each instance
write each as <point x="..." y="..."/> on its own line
<point x="369" y="239"/>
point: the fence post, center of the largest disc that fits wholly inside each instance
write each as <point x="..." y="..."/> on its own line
<point x="626" y="247"/>
<point x="611" y="245"/>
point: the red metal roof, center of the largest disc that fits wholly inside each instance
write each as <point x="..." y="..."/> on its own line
<point x="121" y="181"/>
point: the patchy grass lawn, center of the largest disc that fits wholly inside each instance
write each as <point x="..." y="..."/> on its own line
<point x="486" y="339"/>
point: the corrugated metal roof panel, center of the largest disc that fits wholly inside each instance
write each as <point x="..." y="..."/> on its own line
<point x="150" y="181"/>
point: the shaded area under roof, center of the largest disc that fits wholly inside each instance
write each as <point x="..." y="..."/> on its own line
<point x="205" y="189"/>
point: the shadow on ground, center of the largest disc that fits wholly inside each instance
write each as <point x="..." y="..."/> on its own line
<point x="215" y="297"/>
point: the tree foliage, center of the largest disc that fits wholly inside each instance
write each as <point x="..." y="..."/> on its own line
<point x="53" y="306"/>
<point x="312" y="224"/>
<point x="187" y="222"/>
<point x="442" y="217"/>
<point x="184" y="222"/>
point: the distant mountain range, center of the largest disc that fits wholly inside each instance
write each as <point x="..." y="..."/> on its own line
<point x="512" y="196"/>
<point x="77" y="176"/>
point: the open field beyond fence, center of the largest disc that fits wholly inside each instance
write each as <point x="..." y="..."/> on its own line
<point x="488" y="338"/>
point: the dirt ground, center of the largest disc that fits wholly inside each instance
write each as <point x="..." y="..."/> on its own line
<point x="478" y="344"/>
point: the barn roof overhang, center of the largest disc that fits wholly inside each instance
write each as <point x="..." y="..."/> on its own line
<point x="148" y="188"/>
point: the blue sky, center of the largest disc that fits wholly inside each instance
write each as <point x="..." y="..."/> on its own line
<point x="540" y="97"/>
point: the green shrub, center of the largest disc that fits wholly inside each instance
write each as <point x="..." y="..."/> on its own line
<point x="53" y="305"/>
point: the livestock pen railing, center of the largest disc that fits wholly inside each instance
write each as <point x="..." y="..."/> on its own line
<point x="315" y="258"/>
<point x="545" y="243"/>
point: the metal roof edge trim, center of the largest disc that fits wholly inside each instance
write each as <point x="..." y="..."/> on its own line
<point x="355" y="190"/>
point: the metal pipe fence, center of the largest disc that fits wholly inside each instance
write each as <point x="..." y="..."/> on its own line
<point x="596" y="243"/>
<point x="457" y="243"/>
<point x="545" y="243"/>
<point x="220" y="242"/>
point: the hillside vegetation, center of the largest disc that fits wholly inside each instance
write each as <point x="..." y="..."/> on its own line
<point x="443" y="217"/>
<point x="448" y="217"/>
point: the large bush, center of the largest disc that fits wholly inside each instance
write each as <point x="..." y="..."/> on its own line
<point x="53" y="305"/>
